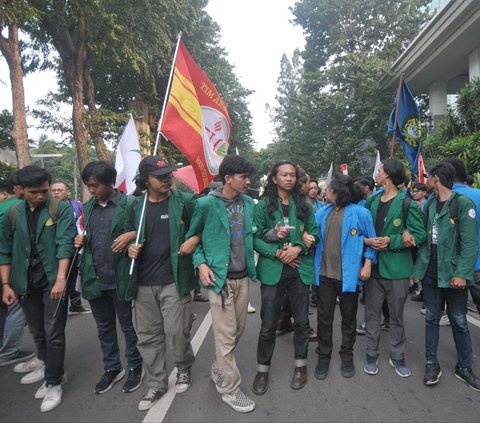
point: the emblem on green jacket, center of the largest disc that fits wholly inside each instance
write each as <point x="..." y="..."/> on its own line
<point x="397" y="222"/>
<point x="49" y="222"/>
<point x="452" y="221"/>
<point x="472" y="213"/>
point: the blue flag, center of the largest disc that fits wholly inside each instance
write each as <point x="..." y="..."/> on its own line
<point x="408" y="126"/>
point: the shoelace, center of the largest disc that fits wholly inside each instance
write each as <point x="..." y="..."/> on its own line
<point x="150" y="394"/>
<point x="183" y="378"/>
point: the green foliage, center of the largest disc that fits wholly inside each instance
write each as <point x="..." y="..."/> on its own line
<point x="330" y="103"/>
<point x="459" y="133"/>
<point x="6" y="126"/>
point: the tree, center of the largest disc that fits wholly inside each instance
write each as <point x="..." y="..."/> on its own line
<point x="350" y="45"/>
<point x="12" y="14"/>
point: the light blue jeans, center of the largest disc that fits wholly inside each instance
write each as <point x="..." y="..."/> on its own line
<point x="14" y="326"/>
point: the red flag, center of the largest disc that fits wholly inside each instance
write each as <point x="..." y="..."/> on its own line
<point x="196" y="119"/>
<point x="344" y="168"/>
<point x="421" y="170"/>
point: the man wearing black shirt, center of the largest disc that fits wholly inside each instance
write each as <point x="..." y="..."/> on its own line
<point x="164" y="279"/>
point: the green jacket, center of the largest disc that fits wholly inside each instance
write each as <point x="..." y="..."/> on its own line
<point x="88" y="274"/>
<point x="450" y="263"/>
<point x="54" y="243"/>
<point x="210" y="220"/>
<point x="180" y="210"/>
<point x="269" y="268"/>
<point x="396" y="262"/>
<point x="5" y="205"/>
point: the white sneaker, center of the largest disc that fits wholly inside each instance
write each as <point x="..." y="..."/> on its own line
<point x="251" y="309"/>
<point x="41" y="392"/>
<point x="239" y="401"/>
<point x="444" y="320"/>
<point x="28" y="366"/>
<point x="36" y="376"/>
<point x="53" y="398"/>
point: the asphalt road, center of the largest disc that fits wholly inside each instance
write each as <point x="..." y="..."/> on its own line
<point x="385" y="397"/>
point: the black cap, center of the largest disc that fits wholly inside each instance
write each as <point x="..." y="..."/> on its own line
<point x="155" y="165"/>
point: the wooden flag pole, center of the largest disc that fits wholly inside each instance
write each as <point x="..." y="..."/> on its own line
<point x="165" y="100"/>
<point x="394" y="136"/>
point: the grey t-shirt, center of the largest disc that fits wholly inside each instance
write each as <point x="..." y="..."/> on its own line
<point x="332" y="249"/>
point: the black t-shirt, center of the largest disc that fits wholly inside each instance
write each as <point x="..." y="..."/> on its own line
<point x="154" y="263"/>
<point x="382" y="211"/>
<point x="432" y="270"/>
<point x="37" y="277"/>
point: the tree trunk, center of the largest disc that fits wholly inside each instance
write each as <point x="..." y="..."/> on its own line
<point x="10" y="49"/>
<point x="100" y="148"/>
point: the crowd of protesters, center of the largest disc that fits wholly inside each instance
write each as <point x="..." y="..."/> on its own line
<point x="139" y="260"/>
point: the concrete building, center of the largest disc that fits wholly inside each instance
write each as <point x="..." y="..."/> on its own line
<point x="443" y="57"/>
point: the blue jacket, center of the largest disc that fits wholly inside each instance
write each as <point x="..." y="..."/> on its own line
<point x="357" y="225"/>
<point x="474" y="195"/>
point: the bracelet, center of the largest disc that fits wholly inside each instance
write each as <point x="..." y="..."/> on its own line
<point x="5" y="283"/>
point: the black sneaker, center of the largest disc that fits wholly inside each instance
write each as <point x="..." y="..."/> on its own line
<point x="134" y="379"/>
<point x="321" y="369"/>
<point x="109" y="378"/>
<point x="348" y="368"/>
<point x="466" y="375"/>
<point x="432" y="374"/>
<point x="18" y="357"/>
<point x="78" y="310"/>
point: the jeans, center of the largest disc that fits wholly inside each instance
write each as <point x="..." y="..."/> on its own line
<point x="327" y="293"/>
<point x="105" y="310"/>
<point x="475" y="291"/>
<point x="48" y="332"/>
<point x="12" y="324"/>
<point x="272" y="299"/>
<point x="456" y="300"/>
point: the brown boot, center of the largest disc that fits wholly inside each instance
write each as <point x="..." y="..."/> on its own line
<point x="284" y="324"/>
<point x="299" y="378"/>
<point x="260" y="383"/>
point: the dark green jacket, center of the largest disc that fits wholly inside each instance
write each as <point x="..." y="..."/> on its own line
<point x="54" y="243"/>
<point x="450" y="263"/>
<point x="180" y="211"/>
<point x="88" y="274"/>
<point x="396" y="262"/>
<point x="269" y="268"/>
<point x="210" y="220"/>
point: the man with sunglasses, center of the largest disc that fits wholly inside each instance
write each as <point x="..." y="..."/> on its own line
<point x="164" y="278"/>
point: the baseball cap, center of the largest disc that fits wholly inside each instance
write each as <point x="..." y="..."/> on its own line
<point x="155" y="165"/>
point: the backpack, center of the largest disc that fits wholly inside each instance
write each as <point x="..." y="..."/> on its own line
<point x="52" y="212"/>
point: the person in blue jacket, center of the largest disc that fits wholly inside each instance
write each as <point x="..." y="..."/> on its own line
<point x="342" y="263"/>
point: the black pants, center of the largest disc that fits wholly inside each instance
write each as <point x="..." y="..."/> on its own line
<point x="48" y="332"/>
<point x="272" y="299"/>
<point x="327" y="293"/>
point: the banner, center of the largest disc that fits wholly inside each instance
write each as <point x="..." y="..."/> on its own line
<point x="127" y="158"/>
<point x="330" y="173"/>
<point x="422" y="173"/>
<point x="409" y="130"/>
<point x="378" y="164"/>
<point x="196" y="119"/>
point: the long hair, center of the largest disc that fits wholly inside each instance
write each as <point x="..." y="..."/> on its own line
<point x="271" y="193"/>
<point x="347" y="192"/>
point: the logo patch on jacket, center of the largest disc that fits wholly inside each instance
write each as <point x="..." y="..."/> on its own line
<point x="353" y="232"/>
<point x="397" y="222"/>
<point x="49" y="222"/>
<point x="472" y="213"/>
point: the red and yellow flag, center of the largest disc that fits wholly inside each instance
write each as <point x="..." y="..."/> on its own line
<point x="196" y="119"/>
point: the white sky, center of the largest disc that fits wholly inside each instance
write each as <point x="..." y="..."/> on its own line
<point x="255" y="33"/>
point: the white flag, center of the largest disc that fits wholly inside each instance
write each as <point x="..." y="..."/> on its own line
<point x="330" y="173"/>
<point x="378" y="163"/>
<point x="128" y="158"/>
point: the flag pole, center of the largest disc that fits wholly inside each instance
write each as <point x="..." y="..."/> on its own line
<point x="394" y="136"/>
<point x="165" y="100"/>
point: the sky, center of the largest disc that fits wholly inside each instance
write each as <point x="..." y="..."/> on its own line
<point x="255" y="34"/>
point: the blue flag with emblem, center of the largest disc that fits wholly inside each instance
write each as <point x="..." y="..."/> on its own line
<point x="408" y="129"/>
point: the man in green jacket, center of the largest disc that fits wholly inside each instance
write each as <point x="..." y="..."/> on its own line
<point x="399" y="227"/>
<point x="164" y="278"/>
<point x="36" y="246"/>
<point x="104" y="274"/>
<point x="225" y="261"/>
<point x="446" y="264"/>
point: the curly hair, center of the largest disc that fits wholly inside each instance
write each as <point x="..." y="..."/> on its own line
<point x="271" y="192"/>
